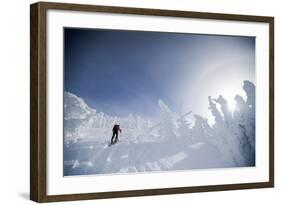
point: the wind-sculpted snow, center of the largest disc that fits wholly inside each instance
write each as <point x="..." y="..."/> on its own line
<point x="75" y="107"/>
<point x="81" y="121"/>
<point x="234" y="133"/>
<point x="173" y="142"/>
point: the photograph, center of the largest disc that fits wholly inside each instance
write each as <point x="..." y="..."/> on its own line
<point x="148" y="101"/>
<point x="140" y="101"/>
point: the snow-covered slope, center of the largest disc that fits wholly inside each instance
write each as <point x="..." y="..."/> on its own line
<point x="174" y="142"/>
<point x="123" y="157"/>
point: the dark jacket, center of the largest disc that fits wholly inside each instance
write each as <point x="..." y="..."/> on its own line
<point x="116" y="128"/>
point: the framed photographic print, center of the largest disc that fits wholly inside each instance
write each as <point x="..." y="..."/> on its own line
<point x="134" y="102"/>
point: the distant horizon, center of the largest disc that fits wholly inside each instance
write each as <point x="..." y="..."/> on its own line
<point x="125" y="72"/>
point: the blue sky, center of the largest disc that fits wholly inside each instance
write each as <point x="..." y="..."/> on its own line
<point x="122" y="72"/>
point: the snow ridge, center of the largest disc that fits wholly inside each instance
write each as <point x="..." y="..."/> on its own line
<point x="174" y="142"/>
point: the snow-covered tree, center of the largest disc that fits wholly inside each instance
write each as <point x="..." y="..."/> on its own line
<point x="168" y="125"/>
<point x="232" y="133"/>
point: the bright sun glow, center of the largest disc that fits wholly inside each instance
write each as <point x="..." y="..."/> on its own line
<point x="229" y="96"/>
<point x="231" y="104"/>
<point x="214" y="82"/>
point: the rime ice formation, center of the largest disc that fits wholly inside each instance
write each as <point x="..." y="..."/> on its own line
<point x="174" y="142"/>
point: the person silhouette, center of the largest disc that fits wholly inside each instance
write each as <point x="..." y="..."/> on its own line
<point x="115" y="130"/>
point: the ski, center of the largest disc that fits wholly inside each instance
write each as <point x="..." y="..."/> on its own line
<point x="113" y="143"/>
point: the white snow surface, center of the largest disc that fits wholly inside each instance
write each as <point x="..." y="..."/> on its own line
<point x="174" y="142"/>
